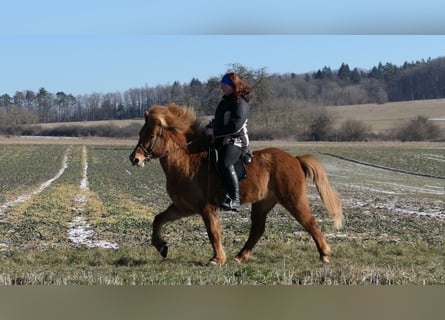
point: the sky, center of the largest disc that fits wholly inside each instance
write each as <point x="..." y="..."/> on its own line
<point x="81" y="47"/>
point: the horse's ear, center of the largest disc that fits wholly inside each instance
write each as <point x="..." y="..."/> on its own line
<point x="146" y="113"/>
<point x="163" y="122"/>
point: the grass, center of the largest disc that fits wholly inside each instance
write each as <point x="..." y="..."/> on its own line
<point x="21" y="166"/>
<point x="386" y="116"/>
<point x="385" y="240"/>
<point x="116" y="123"/>
<point x="354" y="264"/>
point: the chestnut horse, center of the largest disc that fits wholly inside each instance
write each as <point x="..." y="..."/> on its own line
<point x="172" y="135"/>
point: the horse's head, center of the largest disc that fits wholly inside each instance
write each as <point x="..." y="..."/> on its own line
<point x="149" y="143"/>
<point x="161" y="123"/>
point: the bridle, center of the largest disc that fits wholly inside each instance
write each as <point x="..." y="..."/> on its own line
<point x="148" y="153"/>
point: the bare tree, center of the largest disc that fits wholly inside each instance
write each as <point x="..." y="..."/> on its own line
<point x="353" y="130"/>
<point x="418" y="129"/>
<point x="320" y="124"/>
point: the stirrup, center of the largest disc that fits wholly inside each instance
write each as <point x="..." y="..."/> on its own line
<point x="230" y="205"/>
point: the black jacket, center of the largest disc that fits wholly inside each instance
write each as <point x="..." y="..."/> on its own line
<point x="230" y="116"/>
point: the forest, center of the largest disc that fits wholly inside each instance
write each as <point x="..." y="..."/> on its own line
<point x="301" y="96"/>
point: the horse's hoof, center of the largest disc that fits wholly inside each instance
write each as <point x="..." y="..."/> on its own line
<point x="164" y="251"/>
<point x="238" y="260"/>
<point x="325" y="259"/>
<point x="215" y="262"/>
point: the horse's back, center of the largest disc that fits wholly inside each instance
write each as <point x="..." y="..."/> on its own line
<point x="276" y="159"/>
<point x="271" y="172"/>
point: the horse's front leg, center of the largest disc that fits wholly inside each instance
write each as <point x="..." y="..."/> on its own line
<point x="170" y="214"/>
<point x="213" y="226"/>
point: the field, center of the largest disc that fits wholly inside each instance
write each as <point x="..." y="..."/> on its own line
<point x="381" y="117"/>
<point x="74" y="211"/>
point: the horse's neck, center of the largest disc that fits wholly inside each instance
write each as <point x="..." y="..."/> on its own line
<point x="182" y="163"/>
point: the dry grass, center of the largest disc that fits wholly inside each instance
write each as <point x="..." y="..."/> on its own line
<point x="389" y="115"/>
<point x="114" y="123"/>
<point x="27" y="140"/>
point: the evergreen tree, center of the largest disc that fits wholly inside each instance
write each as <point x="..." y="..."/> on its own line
<point x="344" y="73"/>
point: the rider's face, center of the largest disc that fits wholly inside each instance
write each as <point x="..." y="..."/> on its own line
<point x="226" y="89"/>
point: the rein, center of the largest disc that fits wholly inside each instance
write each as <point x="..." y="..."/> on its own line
<point x="148" y="153"/>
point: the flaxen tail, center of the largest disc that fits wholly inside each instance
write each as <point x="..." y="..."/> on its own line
<point x="329" y="196"/>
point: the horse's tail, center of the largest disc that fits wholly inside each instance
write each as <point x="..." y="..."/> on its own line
<point x="312" y="167"/>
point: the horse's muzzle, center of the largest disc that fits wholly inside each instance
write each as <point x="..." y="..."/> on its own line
<point x="137" y="160"/>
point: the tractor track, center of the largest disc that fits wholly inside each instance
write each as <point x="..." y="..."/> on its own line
<point x="382" y="167"/>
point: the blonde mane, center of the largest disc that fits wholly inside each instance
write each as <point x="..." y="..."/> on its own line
<point x="176" y="117"/>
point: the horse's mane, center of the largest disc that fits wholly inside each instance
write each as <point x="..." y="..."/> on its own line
<point x="176" y="117"/>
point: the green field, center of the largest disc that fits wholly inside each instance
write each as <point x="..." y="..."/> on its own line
<point x="76" y="212"/>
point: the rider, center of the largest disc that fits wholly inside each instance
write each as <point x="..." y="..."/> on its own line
<point x="229" y="129"/>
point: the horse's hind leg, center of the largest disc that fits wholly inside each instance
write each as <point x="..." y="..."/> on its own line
<point x="302" y="212"/>
<point x="258" y="218"/>
<point x="170" y="214"/>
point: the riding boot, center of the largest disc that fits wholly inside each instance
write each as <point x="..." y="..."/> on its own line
<point x="231" y="201"/>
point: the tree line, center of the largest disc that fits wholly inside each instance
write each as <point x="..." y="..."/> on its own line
<point x="299" y="95"/>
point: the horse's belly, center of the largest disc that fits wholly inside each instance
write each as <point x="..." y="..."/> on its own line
<point x="187" y="197"/>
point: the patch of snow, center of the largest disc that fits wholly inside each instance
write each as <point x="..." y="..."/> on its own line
<point x="80" y="231"/>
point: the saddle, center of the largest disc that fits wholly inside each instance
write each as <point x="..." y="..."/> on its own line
<point x="240" y="165"/>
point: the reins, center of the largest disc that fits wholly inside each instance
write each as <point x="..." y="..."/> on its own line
<point x="148" y="153"/>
